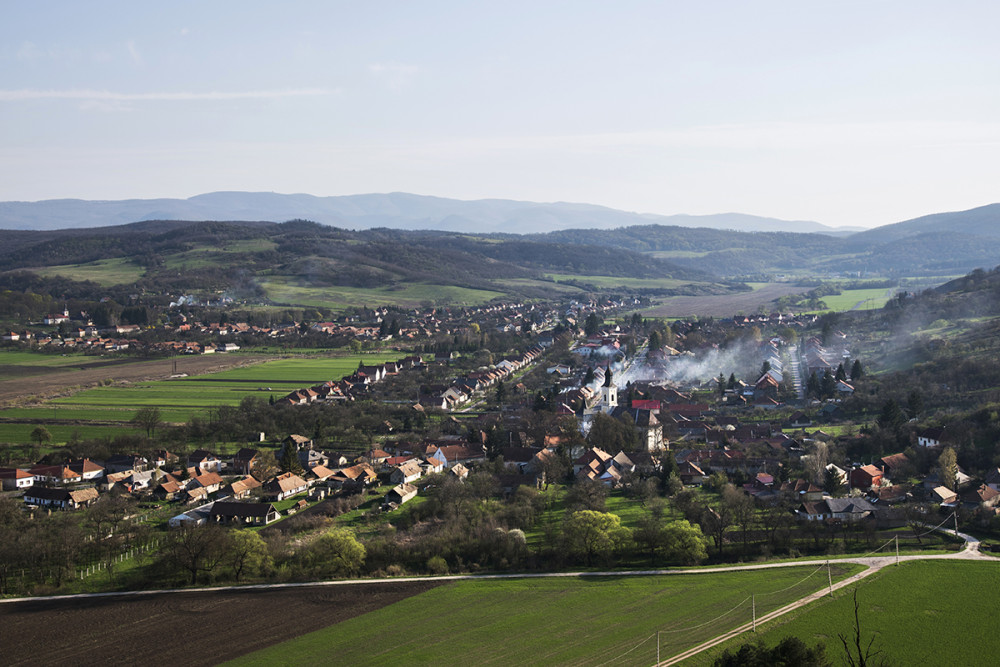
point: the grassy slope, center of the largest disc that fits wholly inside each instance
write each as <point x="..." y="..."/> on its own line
<point x="608" y="620"/>
<point x="282" y="290"/>
<point x="105" y="272"/>
<point x="924" y="612"/>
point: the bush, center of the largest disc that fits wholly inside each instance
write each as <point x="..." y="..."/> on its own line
<point x="437" y="565"/>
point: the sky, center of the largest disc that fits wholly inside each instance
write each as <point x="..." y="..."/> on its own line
<point x="845" y="113"/>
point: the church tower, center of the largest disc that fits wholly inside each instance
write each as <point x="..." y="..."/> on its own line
<point x="609" y="392"/>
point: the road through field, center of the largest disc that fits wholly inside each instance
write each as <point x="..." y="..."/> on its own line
<point x="80" y="628"/>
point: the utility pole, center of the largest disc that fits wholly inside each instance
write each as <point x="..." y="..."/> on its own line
<point x="753" y="607"/>
<point x="829" y="576"/>
<point x="955" y="514"/>
<point x="897" y="549"/>
<point x="657" y="647"/>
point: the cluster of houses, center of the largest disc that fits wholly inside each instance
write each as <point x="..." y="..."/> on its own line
<point x="462" y="389"/>
<point x="351" y="386"/>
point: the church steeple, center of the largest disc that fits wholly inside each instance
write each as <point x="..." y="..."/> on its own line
<point x="609" y="392"/>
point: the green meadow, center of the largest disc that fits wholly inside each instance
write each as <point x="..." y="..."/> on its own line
<point x="929" y="612"/>
<point x="610" y="620"/>
<point x="105" y="272"/>
<point x="861" y="299"/>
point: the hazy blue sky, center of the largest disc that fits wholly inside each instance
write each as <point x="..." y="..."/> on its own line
<point x="847" y="113"/>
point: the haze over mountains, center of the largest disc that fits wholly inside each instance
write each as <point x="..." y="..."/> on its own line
<point x="394" y="210"/>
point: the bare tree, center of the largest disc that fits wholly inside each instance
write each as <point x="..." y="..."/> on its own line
<point x="856" y="654"/>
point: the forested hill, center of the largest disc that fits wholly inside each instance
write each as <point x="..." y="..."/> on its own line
<point x="197" y="256"/>
<point x="943" y="244"/>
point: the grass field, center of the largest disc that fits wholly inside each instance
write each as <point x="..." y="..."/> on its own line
<point x="105" y="272"/>
<point x="550" y="621"/>
<point x="862" y="299"/>
<point x="282" y="290"/>
<point x="922" y="613"/>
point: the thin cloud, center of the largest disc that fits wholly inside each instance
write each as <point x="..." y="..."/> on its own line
<point x="111" y="96"/>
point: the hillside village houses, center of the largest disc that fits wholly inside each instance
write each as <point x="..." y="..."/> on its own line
<point x="733" y="436"/>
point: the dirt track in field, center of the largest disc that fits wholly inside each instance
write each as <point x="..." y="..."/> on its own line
<point x="62" y="381"/>
<point x="724" y="305"/>
<point x="191" y="629"/>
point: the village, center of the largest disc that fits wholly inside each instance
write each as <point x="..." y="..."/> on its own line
<point x="616" y="408"/>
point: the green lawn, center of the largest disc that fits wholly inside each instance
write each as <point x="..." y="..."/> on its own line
<point x="550" y="621"/>
<point x="921" y="613"/>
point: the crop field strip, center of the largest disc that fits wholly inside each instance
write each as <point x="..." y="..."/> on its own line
<point x="580" y="621"/>
<point x="179" y="399"/>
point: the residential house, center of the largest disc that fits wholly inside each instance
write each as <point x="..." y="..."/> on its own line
<point x="285" y="486"/>
<point x="401" y="494"/>
<point x="122" y="462"/>
<point x="318" y="474"/>
<point x="251" y="514"/>
<point x="15" y="479"/>
<point x="57" y="474"/>
<point x="930" y="437"/>
<point x="167" y="490"/>
<point x="88" y="469"/>
<point x="691" y="473"/>
<point x="209" y="481"/>
<point x="410" y="471"/>
<point x="242" y="488"/>
<point x="865" y="477"/>
<point x="981" y="496"/>
<point x="60" y="498"/>
<point x="943" y="495"/>
<point x="205" y="461"/>
<point x="244" y="460"/>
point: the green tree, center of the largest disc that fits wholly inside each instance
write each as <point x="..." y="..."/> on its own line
<point x="289" y="461"/>
<point x="915" y="404"/>
<point x="891" y="417"/>
<point x="790" y="651"/>
<point x="196" y="549"/>
<point x="857" y="372"/>
<point x="337" y="553"/>
<point x="594" y="535"/>
<point x="827" y="385"/>
<point x="947" y="468"/>
<point x="841" y="374"/>
<point x="147" y="418"/>
<point x="41" y="435"/>
<point x="592" y="324"/>
<point x="655" y="343"/>
<point x="684" y="543"/>
<point x="247" y="553"/>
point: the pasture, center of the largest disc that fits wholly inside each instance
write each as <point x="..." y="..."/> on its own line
<point x="552" y="620"/>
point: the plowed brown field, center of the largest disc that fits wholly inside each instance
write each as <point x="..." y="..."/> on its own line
<point x="199" y="628"/>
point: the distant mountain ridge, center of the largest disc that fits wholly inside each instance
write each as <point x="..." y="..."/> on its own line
<point x="394" y="210"/>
